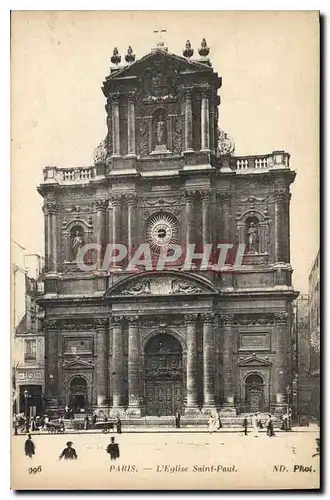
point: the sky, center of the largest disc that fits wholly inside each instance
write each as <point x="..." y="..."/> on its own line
<point x="269" y="64"/>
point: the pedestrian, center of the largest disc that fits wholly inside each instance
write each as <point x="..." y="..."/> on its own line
<point x="270" y="426"/>
<point x="113" y="449"/>
<point x="86" y="423"/>
<point x="219" y="422"/>
<point x="260" y="426"/>
<point x="245" y="426"/>
<point x="177" y="420"/>
<point x="27" y="424"/>
<point x="94" y="419"/>
<point x="212" y="424"/>
<point x="118" y="425"/>
<point x="66" y="414"/>
<point x="68" y="453"/>
<point x="255" y="425"/>
<point x="29" y="447"/>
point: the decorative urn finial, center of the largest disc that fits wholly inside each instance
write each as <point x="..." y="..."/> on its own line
<point x="226" y="145"/>
<point x="130" y="57"/>
<point x="188" y="51"/>
<point x="204" y="50"/>
<point x="100" y="153"/>
<point x="116" y="58"/>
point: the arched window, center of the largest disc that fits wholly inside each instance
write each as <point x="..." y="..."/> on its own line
<point x="77" y="240"/>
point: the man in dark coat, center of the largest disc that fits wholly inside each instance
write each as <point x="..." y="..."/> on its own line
<point x="177" y="420"/>
<point x="118" y="425"/>
<point x="113" y="449"/>
<point x="94" y="419"/>
<point x="69" y="453"/>
<point x="245" y="426"/>
<point x="29" y="447"/>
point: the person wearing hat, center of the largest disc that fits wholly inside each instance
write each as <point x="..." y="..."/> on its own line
<point x="68" y="453"/>
<point x="113" y="449"/>
<point x="29" y="447"/>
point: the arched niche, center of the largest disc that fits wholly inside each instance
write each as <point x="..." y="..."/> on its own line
<point x="252" y="229"/>
<point x="160" y="130"/>
<point x="76" y="233"/>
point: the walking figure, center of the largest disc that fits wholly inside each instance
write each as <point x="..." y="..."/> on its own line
<point x="29" y="447"/>
<point x="255" y="425"/>
<point x="118" y="425"/>
<point x="113" y="449"/>
<point x="245" y="426"/>
<point x="69" y="453"/>
<point x="270" y="426"/>
<point x="177" y="420"/>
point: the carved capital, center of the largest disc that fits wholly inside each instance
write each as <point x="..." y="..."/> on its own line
<point x="100" y="323"/>
<point x="50" y="207"/>
<point x="227" y="319"/>
<point x="191" y="319"/>
<point x="190" y="195"/>
<point x="207" y="318"/>
<point x="187" y="91"/>
<point x="281" y="195"/>
<point x="205" y="195"/>
<point x="132" y="320"/>
<point x="131" y="97"/>
<point x="117" y="321"/>
<point x="101" y="204"/>
<point x="131" y="199"/>
<point x="281" y="318"/>
<point x="114" y="98"/>
<point x="116" y="200"/>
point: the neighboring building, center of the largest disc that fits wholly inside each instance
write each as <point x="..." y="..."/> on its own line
<point x="302" y="388"/>
<point x="156" y="342"/>
<point x="28" y="347"/>
<point x="314" y="322"/>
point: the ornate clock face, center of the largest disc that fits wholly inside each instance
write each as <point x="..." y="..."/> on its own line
<point x="161" y="229"/>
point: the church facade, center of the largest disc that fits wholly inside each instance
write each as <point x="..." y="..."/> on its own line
<point x="146" y="341"/>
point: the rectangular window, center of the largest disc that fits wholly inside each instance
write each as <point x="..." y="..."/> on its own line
<point x="30" y="353"/>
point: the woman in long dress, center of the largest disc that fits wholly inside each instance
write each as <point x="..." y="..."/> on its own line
<point x="255" y="425"/>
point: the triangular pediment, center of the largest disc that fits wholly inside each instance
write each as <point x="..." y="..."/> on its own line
<point x="77" y="364"/>
<point x="168" y="283"/>
<point x="161" y="59"/>
<point x="254" y="361"/>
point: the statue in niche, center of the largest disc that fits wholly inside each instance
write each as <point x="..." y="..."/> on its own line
<point x="160" y="131"/>
<point x="253" y="238"/>
<point x="77" y="241"/>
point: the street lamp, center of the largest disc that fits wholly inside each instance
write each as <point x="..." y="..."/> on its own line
<point x="26" y="396"/>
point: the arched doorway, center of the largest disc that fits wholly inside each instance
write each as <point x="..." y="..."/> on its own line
<point x="254" y="393"/>
<point x="163" y="375"/>
<point x="78" y="394"/>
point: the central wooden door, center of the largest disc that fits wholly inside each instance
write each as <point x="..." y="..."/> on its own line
<point x="163" y="376"/>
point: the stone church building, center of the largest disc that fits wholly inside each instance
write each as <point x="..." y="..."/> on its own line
<point x="143" y="342"/>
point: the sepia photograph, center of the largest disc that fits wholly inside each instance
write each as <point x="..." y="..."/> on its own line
<point x="165" y="262"/>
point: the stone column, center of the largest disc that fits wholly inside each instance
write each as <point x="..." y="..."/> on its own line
<point x="192" y="403"/>
<point x="208" y="363"/>
<point x="115" y="125"/>
<point x="190" y="233"/>
<point x="131" y="151"/>
<point x="51" y="358"/>
<point x="227" y="321"/>
<point x="118" y="363"/>
<point x="101" y="365"/>
<point x="131" y="225"/>
<point x="51" y="209"/>
<point x="133" y="366"/>
<point x="205" y="197"/>
<point x="282" y="365"/>
<point x="280" y="197"/>
<point x="46" y="224"/>
<point x="188" y="121"/>
<point x="205" y="122"/>
<point x="101" y="206"/>
<point x="225" y="236"/>
<point x="116" y="201"/>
